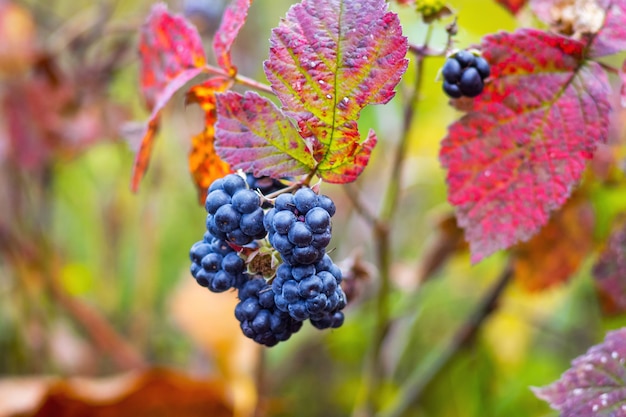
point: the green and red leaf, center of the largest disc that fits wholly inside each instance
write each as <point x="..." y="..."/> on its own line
<point x="595" y="385"/>
<point x="252" y="134"/>
<point x="232" y="21"/>
<point x="329" y="59"/>
<point x="171" y="54"/>
<point x="521" y="149"/>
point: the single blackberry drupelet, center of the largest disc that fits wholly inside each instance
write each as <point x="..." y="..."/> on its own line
<point x="464" y="74"/>
<point x="258" y="316"/>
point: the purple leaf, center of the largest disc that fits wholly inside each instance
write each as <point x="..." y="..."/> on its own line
<point x="612" y="36"/>
<point x="595" y="385"/>
<point x="254" y="135"/>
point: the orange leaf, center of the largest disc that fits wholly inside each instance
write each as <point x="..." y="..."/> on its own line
<point x="553" y="255"/>
<point x="142" y="159"/>
<point x="204" y="164"/>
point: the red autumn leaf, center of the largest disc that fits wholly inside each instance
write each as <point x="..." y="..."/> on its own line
<point x="520" y="150"/>
<point x="512" y="6"/>
<point x="168" y="45"/>
<point x="612" y="36"/>
<point x="171" y="54"/>
<point x="595" y="385"/>
<point x="204" y="164"/>
<point x="252" y="134"/>
<point x="609" y="273"/>
<point x="232" y="21"/>
<point x="329" y="59"/>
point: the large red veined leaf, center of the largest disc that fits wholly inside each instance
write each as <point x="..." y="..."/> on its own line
<point x="329" y="59"/>
<point x="595" y="385"/>
<point x="520" y="150"/>
<point x="232" y="21"/>
<point x="254" y="135"/>
<point x="612" y="36"/>
<point x="171" y="54"/>
<point x="513" y="6"/>
<point x="609" y="273"/>
<point x="204" y="163"/>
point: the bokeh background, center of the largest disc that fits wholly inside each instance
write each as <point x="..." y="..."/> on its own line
<point x="100" y="316"/>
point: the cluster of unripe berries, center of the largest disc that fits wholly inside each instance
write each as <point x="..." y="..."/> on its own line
<point x="295" y="227"/>
<point x="464" y="74"/>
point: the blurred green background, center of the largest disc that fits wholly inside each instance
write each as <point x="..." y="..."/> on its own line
<point x="71" y="231"/>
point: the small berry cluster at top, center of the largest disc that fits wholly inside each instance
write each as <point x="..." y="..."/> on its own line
<point x="464" y="74"/>
<point x="246" y="239"/>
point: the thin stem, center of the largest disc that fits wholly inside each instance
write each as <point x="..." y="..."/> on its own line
<point x="359" y="206"/>
<point x="241" y="79"/>
<point x="410" y="114"/>
<point x="421" y="378"/>
<point x="373" y="372"/>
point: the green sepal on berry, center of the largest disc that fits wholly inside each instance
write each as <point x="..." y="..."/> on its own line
<point x="262" y="261"/>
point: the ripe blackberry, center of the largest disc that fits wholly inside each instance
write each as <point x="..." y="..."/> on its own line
<point x="299" y="226"/>
<point x="310" y="292"/>
<point x="234" y="211"/>
<point x="215" y="265"/>
<point x="259" y="318"/>
<point x="265" y="185"/>
<point x="464" y="74"/>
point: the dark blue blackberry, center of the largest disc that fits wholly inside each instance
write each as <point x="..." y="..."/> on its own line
<point x="215" y="265"/>
<point x="259" y="318"/>
<point x="310" y="292"/>
<point x="464" y="74"/>
<point x="234" y="211"/>
<point x="299" y="226"/>
<point x="265" y="185"/>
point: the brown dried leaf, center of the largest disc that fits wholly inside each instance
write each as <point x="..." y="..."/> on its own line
<point x="552" y="256"/>
<point x="155" y="392"/>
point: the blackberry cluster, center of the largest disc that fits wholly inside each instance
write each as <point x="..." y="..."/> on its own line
<point x="464" y="74"/>
<point x="299" y="226"/>
<point x="260" y="320"/>
<point x="311" y="292"/>
<point x="215" y="265"/>
<point x="306" y="285"/>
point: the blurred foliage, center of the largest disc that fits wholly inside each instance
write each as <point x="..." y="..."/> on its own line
<point x="93" y="278"/>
